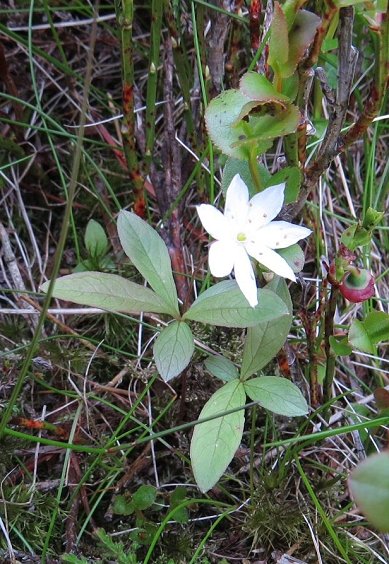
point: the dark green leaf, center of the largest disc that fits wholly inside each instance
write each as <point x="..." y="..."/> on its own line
<point x="144" y="497"/>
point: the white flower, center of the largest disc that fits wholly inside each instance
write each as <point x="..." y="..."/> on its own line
<point x="246" y="230"/>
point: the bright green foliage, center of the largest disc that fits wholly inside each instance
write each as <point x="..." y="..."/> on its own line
<point x="96" y="241"/>
<point x="277" y="394"/>
<point x="365" y="335"/>
<point x="221" y="367"/>
<point x="173" y="349"/>
<point x="107" y="291"/>
<point x="147" y="251"/>
<point x="256" y="87"/>
<point x="224" y="304"/>
<point x="369" y="484"/>
<point x="359" y="234"/>
<point x="340" y="345"/>
<point x="215" y="442"/>
<point x="292" y="177"/>
<point x="236" y="166"/>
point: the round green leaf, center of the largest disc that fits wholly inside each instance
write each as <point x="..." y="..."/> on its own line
<point x="173" y="349"/>
<point x="215" y="442"/>
<point x="144" y="497"/>
<point x="277" y="394"/>
<point x="369" y="484"/>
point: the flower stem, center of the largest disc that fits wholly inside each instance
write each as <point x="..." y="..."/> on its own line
<point x="328" y="332"/>
<point x="254" y="170"/>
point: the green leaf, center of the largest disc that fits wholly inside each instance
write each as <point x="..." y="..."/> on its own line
<point x="122" y="506"/>
<point x="355" y="236"/>
<point x="372" y="218"/>
<point x="225" y="305"/>
<point x="223" y="120"/>
<point x="177" y="497"/>
<point x="294" y="256"/>
<point x="359" y="338"/>
<point x="215" y="442"/>
<point x="96" y="241"/>
<point x="263" y="341"/>
<point x="340" y="345"/>
<point x="236" y="166"/>
<point x="221" y="367"/>
<point x="301" y="36"/>
<point x="364" y="335"/>
<point x="256" y="87"/>
<point x="173" y="349"/>
<point x="279" y="40"/>
<point x="267" y="124"/>
<point x="149" y="254"/>
<point x="107" y="291"/>
<point x="369" y="484"/>
<point x="144" y="497"/>
<point x="292" y="176"/>
<point x="277" y="394"/>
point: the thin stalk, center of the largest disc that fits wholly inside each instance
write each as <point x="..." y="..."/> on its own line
<point x="254" y="413"/>
<point x="125" y="17"/>
<point x="328" y="332"/>
<point x="152" y="81"/>
<point x="254" y="170"/>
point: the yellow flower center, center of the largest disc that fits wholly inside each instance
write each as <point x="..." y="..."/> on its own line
<point x="241" y="237"/>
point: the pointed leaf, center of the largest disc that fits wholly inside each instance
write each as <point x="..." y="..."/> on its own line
<point x="279" y="40"/>
<point x="256" y="87"/>
<point x="221" y="367"/>
<point x="263" y="341"/>
<point x="277" y="394"/>
<point x="292" y="176"/>
<point x="301" y="36"/>
<point x="107" y="291"/>
<point x="359" y="338"/>
<point x="149" y="254"/>
<point x="369" y="484"/>
<point x="225" y="305"/>
<point x="96" y="241"/>
<point x="173" y="349"/>
<point x="215" y="442"/>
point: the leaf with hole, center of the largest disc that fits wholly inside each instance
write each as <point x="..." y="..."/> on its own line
<point x="278" y="395"/>
<point x="215" y="442"/>
<point x="369" y="485"/>
<point x="224" y="304"/>
<point x="107" y="291"/>
<point x="173" y="349"/>
<point x="149" y="254"/>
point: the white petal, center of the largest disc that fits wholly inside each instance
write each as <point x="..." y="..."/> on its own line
<point x="244" y="275"/>
<point x="221" y="258"/>
<point x="237" y="200"/>
<point x="213" y="221"/>
<point x="281" y="234"/>
<point x="272" y="261"/>
<point x="264" y="207"/>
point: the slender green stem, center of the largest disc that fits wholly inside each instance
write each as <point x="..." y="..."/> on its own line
<point x="254" y="169"/>
<point x="328" y="332"/>
<point x="254" y="412"/>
